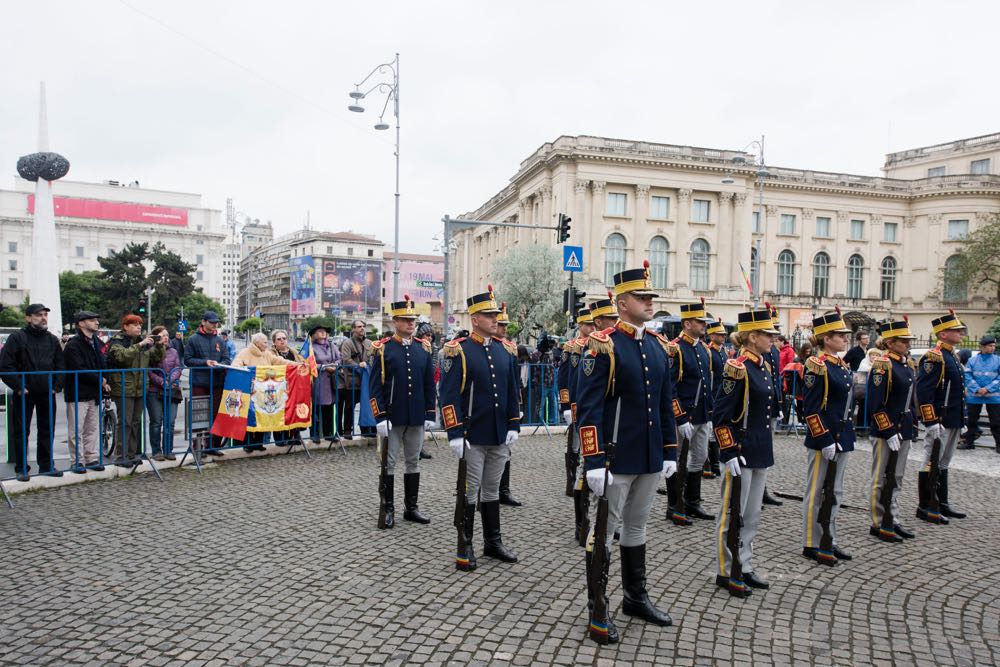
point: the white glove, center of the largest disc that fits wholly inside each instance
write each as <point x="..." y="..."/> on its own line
<point x="568" y="416"/>
<point x="781" y="414"/>
<point x="595" y="480"/>
<point x="733" y="466"/>
<point x="669" y="468"/>
<point x="893" y="443"/>
<point x="382" y="428"/>
<point x="935" y="431"/>
<point x="430" y="424"/>
<point x="830" y="451"/>
<point x="511" y="439"/>
<point x="685" y="430"/>
<point x="457" y="446"/>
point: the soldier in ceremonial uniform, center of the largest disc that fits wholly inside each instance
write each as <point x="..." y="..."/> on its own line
<point x="401" y="386"/>
<point x="941" y="397"/>
<point x="890" y="403"/>
<point x="742" y="418"/>
<point x="716" y="333"/>
<point x="773" y="357"/>
<point x="626" y="367"/>
<point x="483" y="367"/>
<point x="604" y="313"/>
<point x="830" y="432"/>
<point x="506" y="497"/>
<point x="691" y="375"/>
<point x="566" y="383"/>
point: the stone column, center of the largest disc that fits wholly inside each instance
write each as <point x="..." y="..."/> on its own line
<point x="639" y="214"/>
<point x="682" y="253"/>
<point x="742" y="239"/>
<point x="597" y="231"/>
<point x="581" y="227"/>
<point x="725" y="259"/>
<point x="546" y="219"/>
<point x="524" y="217"/>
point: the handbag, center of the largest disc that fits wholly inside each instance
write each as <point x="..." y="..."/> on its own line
<point x="176" y="395"/>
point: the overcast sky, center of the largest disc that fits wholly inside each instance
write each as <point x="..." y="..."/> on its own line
<point x="247" y="99"/>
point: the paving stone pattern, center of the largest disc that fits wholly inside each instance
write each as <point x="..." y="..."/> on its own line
<point x="277" y="561"/>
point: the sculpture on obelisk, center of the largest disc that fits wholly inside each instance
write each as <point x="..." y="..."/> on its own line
<point x="42" y="168"/>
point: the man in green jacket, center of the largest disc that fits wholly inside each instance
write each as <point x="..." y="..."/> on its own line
<point x="129" y="350"/>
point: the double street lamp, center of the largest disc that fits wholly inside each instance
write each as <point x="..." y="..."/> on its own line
<point x="391" y="91"/>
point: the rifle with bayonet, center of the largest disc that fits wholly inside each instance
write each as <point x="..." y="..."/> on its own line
<point x="598" y="629"/>
<point x="825" y="553"/>
<point x="933" y="475"/>
<point x="463" y="561"/>
<point x="383" y="477"/>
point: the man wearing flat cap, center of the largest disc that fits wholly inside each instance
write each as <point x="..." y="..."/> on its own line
<point x="205" y="351"/>
<point x="84" y="352"/>
<point x="32" y="349"/>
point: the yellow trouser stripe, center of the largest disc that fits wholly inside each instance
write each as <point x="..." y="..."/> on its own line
<point x="811" y="503"/>
<point x="879" y="444"/>
<point x="727" y="489"/>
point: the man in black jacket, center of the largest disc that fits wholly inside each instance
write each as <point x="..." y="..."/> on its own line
<point x="204" y="351"/>
<point x="32" y="348"/>
<point x="84" y="352"/>
<point x="856" y="354"/>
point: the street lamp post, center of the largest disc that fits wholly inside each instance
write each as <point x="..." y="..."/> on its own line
<point x="392" y="93"/>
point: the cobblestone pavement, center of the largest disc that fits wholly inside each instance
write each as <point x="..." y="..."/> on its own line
<point x="277" y="561"/>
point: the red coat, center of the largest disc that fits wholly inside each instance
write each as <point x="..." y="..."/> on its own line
<point x="786" y="355"/>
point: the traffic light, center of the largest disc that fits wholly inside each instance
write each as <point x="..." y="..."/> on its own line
<point x="564" y="221"/>
<point x="578" y="305"/>
<point x="567" y="301"/>
<point x="141" y="310"/>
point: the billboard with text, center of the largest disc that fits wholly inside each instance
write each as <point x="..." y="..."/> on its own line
<point x="302" y="292"/>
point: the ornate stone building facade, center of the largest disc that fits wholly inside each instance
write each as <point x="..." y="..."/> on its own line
<point x="874" y="245"/>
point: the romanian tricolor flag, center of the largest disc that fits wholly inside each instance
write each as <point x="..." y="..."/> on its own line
<point x="281" y="398"/>
<point x="310" y="357"/>
<point x="234" y="408"/>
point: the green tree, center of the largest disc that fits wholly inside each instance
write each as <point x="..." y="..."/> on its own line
<point x="994" y="329"/>
<point x="82" y="291"/>
<point x="173" y="280"/>
<point x="527" y="278"/>
<point x="125" y="279"/>
<point x="12" y="316"/>
<point x="978" y="261"/>
<point x="250" y="324"/>
<point x="195" y="305"/>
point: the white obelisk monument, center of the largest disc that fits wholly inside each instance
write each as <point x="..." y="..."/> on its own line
<point x="43" y="285"/>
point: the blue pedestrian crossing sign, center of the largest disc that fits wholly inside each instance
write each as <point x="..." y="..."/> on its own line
<point x="572" y="258"/>
<point x="182" y="326"/>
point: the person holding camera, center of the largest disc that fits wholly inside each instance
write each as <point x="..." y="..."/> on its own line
<point x="129" y="350"/>
<point x="163" y="395"/>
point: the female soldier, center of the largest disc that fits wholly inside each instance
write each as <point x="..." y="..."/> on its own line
<point x="890" y="399"/>
<point x="830" y="434"/>
<point x="742" y="419"/>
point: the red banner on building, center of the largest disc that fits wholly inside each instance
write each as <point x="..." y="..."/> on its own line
<point x="98" y="209"/>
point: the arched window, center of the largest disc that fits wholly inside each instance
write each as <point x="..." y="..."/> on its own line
<point x="754" y="272"/>
<point x="954" y="288"/>
<point x="855" y="276"/>
<point x="699" y="264"/>
<point x="786" y="272"/>
<point x="614" y="257"/>
<point x="821" y="275"/>
<point x="888" y="283"/>
<point x="658" y="248"/>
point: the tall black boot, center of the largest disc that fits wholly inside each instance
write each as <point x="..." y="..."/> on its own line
<point x="924" y="499"/>
<point x="712" y="463"/>
<point x="468" y="526"/>
<point x="505" y="496"/>
<point x="492" y="542"/>
<point x="613" y="636"/>
<point x="768" y="499"/>
<point x="584" y="515"/>
<point x="672" y="513"/>
<point x="946" y="508"/>
<point x="636" y="602"/>
<point x="692" y="497"/>
<point x="390" y="507"/>
<point x="411" y="489"/>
